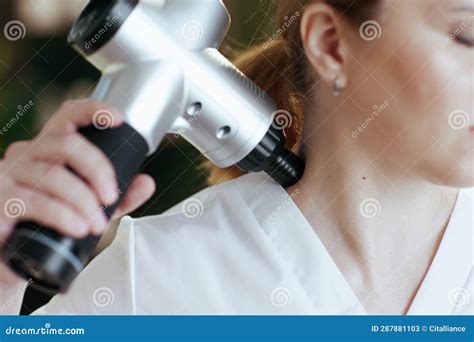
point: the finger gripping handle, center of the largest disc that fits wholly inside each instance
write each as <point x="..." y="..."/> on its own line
<point x="50" y="260"/>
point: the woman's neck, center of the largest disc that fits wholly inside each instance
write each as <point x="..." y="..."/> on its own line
<point x="372" y="215"/>
<point x="343" y="190"/>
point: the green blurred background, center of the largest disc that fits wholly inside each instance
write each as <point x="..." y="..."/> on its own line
<point x="40" y="67"/>
<point x="38" y="71"/>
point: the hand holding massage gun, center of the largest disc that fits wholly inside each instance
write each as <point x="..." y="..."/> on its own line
<point x="161" y="68"/>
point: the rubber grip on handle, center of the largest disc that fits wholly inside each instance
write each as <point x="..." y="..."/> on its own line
<point x="50" y="260"/>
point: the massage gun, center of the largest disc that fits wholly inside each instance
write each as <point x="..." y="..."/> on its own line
<point x="161" y="68"/>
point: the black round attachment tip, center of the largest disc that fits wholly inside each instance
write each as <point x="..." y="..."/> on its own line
<point x="98" y="23"/>
<point x="271" y="156"/>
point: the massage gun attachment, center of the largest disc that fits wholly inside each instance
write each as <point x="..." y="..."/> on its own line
<point x="161" y="68"/>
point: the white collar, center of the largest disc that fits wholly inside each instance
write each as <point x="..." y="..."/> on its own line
<point x="446" y="278"/>
<point x="320" y="277"/>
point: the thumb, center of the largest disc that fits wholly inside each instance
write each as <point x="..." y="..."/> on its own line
<point x="140" y="191"/>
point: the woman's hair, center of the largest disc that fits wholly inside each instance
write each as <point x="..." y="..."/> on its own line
<point x="278" y="66"/>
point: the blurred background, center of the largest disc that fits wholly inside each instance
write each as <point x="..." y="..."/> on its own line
<point x="38" y="71"/>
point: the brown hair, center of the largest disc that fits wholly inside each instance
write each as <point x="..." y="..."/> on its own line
<point x="278" y="66"/>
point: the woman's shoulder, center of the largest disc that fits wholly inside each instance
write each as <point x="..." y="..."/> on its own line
<point x="200" y="256"/>
<point x="204" y="247"/>
<point x="215" y="220"/>
<point x="217" y="208"/>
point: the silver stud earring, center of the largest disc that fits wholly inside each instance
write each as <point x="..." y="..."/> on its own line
<point x="336" y="88"/>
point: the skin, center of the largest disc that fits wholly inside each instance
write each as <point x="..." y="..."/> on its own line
<point x="36" y="173"/>
<point x="409" y="158"/>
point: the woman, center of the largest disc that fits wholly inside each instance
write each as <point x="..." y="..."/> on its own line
<point x="380" y="95"/>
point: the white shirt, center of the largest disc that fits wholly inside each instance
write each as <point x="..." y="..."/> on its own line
<point x="243" y="247"/>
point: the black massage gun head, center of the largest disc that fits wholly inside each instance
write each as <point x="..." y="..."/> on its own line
<point x="98" y="23"/>
<point x="271" y="156"/>
<point x="42" y="257"/>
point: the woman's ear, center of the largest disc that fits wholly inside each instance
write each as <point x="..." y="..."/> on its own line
<point x="321" y="36"/>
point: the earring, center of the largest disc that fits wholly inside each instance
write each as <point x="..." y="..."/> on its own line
<point x="336" y="88"/>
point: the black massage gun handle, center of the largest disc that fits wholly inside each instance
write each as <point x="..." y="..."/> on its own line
<point x="51" y="261"/>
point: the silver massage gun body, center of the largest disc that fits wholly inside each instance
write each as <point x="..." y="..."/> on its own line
<point x="162" y="69"/>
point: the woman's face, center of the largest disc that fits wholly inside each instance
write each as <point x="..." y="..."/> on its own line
<point x="412" y="74"/>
